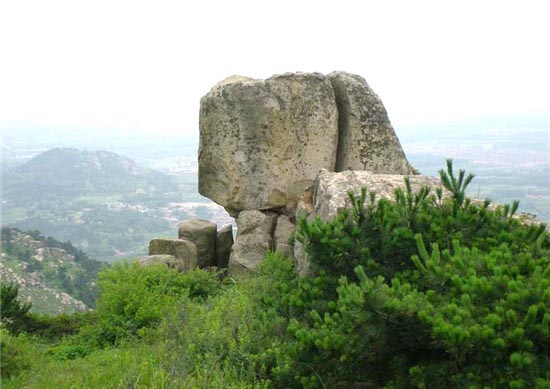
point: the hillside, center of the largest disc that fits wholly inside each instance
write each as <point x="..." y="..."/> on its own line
<point x="54" y="276"/>
<point x="104" y="203"/>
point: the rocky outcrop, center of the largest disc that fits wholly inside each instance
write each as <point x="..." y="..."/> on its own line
<point x="254" y="238"/>
<point x="203" y="234"/>
<point x="200" y="245"/>
<point x="263" y="141"/>
<point x="184" y="252"/>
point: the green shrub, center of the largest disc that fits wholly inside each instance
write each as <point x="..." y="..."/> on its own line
<point x="230" y="341"/>
<point x="380" y="235"/>
<point x="54" y="328"/>
<point x="135" y="298"/>
<point x="470" y="313"/>
<point x="18" y="353"/>
<point x="13" y="313"/>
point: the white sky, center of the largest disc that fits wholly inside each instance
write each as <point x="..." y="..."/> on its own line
<point x="143" y="66"/>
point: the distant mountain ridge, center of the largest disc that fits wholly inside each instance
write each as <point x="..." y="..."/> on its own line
<point x="68" y="172"/>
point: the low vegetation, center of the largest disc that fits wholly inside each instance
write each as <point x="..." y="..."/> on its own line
<point x="424" y="291"/>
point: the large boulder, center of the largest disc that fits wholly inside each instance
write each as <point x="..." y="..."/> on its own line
<point x="262" y="142"/>
<point x="184" y="252"/>
<point x="254" y="238"/>
<point x="203" y="234"/>
<point x="366" y="140"/>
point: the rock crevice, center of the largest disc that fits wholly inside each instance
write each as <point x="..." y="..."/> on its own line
<point x="343" y="107"/>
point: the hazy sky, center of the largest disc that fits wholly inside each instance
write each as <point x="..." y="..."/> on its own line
<point x="143" y="66"/>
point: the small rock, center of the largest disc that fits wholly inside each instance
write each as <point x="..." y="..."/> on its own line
<point x="224" y="243"/>
<point x="254" y="238"/>
<point x="168" y="260"/>
<point x="183" y="250"/>
<point x="203" y="234"/>
<point x="283" y="231"/>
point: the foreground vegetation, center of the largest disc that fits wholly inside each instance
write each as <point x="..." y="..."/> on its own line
<point x="424" y="291"/>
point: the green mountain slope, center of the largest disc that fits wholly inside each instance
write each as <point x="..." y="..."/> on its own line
<point x="54" y="276"/>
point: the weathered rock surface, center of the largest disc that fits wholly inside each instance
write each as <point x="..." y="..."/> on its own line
<point x="224" y="243"/>
<point x="331" y="189"/>
<point x="183" y="251"/>
<point x="283" y="230"/>
<point x="366" y="139"/>
<point x="262" y="142"/>
<point x="203" y="234"/>
<point x="254" y="238"/>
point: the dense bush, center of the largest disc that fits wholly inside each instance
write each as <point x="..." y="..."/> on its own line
<point x="134" y="298"/>
<point x="237" y="339"/>
<point x="54" y="328"/>
<point x="476" y="311"/>
<point x="381" y="236"/>
<point x="13" y="313"/>
<point x="18" y="353"/>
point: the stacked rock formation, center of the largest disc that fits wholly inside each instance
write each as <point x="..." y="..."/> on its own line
<point x="199" y="244"/>
<point x="263" y="143"/>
